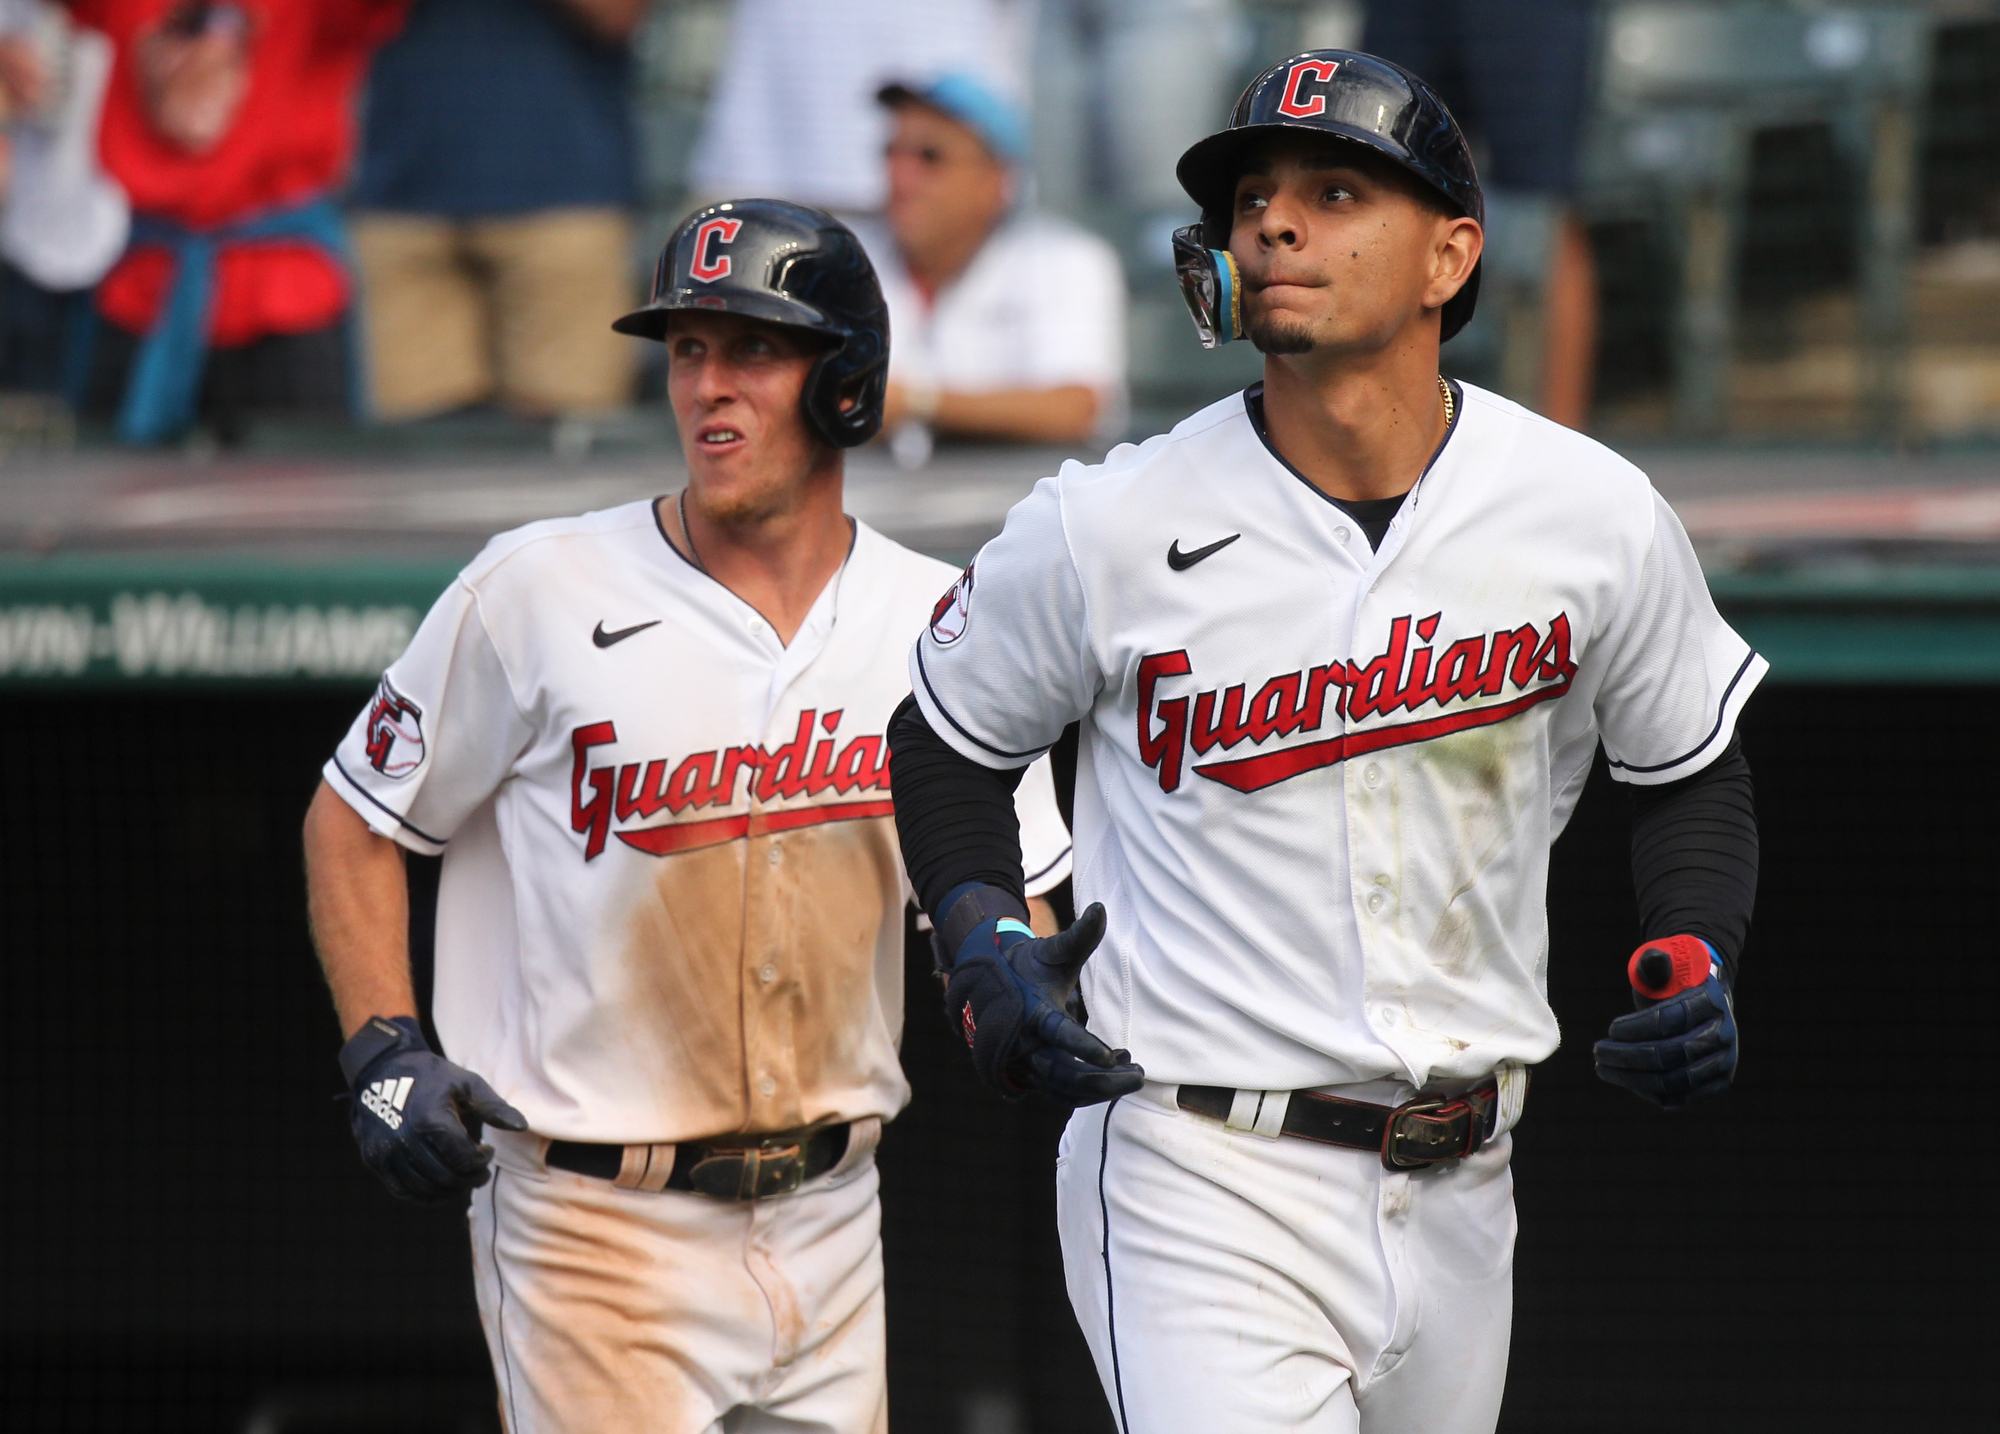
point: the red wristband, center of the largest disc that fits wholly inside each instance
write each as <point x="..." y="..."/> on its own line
<point x="1686" y="966"/>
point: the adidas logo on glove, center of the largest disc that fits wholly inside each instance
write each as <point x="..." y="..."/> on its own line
<point x="385" y="1099"/>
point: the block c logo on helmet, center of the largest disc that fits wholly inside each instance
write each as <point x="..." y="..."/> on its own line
<point x="1291" y="104"/>
<point x="710" y="263"/>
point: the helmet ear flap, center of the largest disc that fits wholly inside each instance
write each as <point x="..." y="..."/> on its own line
<point x="836" y="375"/>
<point x="1215" y="228"/>
<point x="1211" y="286"/>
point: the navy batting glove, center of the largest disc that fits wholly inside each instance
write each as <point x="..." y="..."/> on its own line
<point x="416" y="1116"/>
<point x="1680" y="1045"/>
<point x="1008" y="993"/>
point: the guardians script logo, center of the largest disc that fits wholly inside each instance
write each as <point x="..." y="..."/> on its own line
<point x="395" y="734"/>
<point x="640" y="791"/>
<point x="1474" y="682"/>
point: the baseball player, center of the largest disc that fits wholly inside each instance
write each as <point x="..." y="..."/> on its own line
<point x="650" y="743"/>
<point x="1341" y="649"/>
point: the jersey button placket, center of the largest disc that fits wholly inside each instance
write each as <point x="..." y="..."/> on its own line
<point x="1374" y="891"/>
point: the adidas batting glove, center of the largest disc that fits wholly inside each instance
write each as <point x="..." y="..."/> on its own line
<point x="416" y="1116"/>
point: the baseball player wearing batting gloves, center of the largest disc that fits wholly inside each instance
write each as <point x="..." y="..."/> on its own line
<point x="650" y="743"/>
<point x="1340" y="650"/>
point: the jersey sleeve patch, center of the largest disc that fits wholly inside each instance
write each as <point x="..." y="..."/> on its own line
<point x="953" y="612"/>
<point x="394" y="739"/>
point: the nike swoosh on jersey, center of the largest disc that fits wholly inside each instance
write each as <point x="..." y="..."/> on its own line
<point x="1181" y="562"/>
<point x="606" y="639"/>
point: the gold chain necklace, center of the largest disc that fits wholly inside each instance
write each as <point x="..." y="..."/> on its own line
<point x="1450" y="410"/>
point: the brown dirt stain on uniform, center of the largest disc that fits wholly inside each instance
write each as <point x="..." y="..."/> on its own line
<point x="767" y="974"/>
<point x="589" y="1301"/>
<point x="684" y="982"/>
<point x="1469" y="774"/>
<point x="842" y="992"/>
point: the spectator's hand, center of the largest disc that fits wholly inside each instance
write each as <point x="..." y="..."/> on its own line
<point x="904" y="403"/>
<point x="895" y="407"/>
<point x="24" y="79"/>
<point x="193" y="70"/>
<point x="613" y="21"/>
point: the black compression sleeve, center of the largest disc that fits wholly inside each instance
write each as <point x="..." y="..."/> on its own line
<point x="955" y="818"/>
<point x="1694" y="855"/>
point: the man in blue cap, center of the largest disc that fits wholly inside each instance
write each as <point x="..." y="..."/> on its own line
<point x="1009" y="324"/>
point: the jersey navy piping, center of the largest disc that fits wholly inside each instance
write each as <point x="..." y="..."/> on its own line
<point x="1721" y="710"/>
<point x="661" y="529"/>
<point x="924" y="672"/>
<point x="1035" y="876"/>
<point x="853" y="537"/>
<point x="1104" y="1253"/>
<point x="1253" y="403"/>
<point x="400" y="819"/>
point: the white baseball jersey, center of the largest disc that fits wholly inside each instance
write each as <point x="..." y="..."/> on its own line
<point x="671" y="903"/>
<point x="1318" y="783"/>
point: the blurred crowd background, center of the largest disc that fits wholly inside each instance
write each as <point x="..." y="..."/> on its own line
<point x="224" y="219"/>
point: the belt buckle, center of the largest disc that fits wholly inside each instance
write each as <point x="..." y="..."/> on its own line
<point x="751" y="1172"/>
<point x="1415" y="1137"/>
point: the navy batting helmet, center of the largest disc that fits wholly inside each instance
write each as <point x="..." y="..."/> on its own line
<point x="791" y="265"/>
<point x="1343" y="94"/>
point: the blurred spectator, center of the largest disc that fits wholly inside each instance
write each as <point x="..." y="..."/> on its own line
<point x="229" y="125"/>
<point x="1004" y="323"/>
<point x="794" y="116"/>
<point x="1515" y="73"/>
<point x="62" y="222"/>
<point x="1122" y="88"/>
<point x="496" y="188"/>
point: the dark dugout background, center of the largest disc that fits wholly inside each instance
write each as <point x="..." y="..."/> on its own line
<point x="189" y="1243"/>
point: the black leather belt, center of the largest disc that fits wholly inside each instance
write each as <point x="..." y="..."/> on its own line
<point x="1419" y="1132"/>
<point x="750" y="1167"/>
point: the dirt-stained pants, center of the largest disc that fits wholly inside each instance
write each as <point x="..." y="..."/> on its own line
<point x="610" y="1311"/>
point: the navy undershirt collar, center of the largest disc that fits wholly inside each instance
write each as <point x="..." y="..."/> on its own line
<point x="1373" y="515"/>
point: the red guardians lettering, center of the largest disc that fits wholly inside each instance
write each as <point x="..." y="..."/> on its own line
<point x="809" y="765"/>
<point x="1522" y="667"/>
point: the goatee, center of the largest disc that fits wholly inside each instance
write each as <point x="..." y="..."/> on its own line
<point x="1281" y="334"/>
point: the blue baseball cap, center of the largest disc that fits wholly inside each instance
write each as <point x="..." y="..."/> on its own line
<point x="998" y="122"/>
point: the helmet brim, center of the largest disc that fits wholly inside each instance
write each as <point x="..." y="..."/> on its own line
<point x="1208" y="171"/>
<point x="651" y="321"/>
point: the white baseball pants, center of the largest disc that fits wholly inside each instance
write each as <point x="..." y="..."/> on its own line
<point x="612" y="1311"/>
<point x="1226" y="1281"/>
